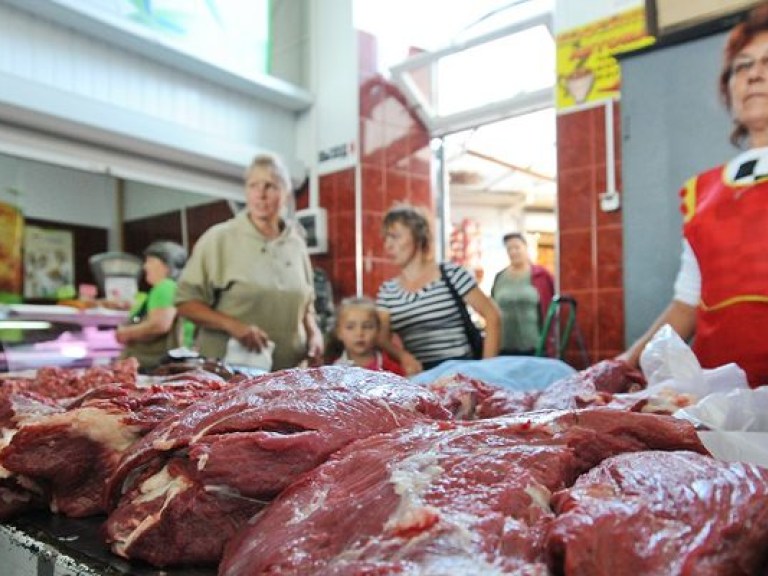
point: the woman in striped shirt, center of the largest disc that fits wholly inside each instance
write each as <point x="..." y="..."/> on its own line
<point x="417" y="305"/>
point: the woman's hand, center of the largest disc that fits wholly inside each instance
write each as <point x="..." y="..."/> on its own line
<point x="250" y="336"/>
<point x="315" y="348"/>
<point x="121" y="336"/>
<point x="409" y="363"/>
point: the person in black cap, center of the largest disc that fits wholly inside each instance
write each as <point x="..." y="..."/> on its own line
<point x="153" y="329"/>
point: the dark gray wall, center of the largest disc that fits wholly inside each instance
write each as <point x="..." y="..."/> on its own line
<point x="673" y="126"/>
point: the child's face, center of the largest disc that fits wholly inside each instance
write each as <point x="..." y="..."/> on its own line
<point x="358" y="330"/>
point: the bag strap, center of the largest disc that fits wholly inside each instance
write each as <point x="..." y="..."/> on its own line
<point x="458" y="299"/>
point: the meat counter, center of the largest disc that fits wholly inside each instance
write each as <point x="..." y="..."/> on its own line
<point x="42" y="544"/>
<point x="33" y="336"/>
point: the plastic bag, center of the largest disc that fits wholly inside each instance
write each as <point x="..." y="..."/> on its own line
<point x="737" y="423"/>
<point x="735" y="416"/>
<point x="668" y="362"/>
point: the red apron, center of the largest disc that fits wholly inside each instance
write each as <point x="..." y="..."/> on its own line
<point x="726" y="224"/>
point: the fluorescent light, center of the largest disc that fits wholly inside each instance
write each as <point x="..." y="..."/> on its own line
<point x="24" y="325"/>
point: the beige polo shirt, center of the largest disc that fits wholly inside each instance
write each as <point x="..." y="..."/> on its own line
<point x="267" y="283"/>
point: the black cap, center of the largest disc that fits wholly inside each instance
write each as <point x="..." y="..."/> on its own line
<point x="170" y="253"/>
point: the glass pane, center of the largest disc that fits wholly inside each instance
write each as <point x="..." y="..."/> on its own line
<point x="474" y="77"/>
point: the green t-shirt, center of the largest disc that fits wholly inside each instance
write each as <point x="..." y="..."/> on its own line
<point x="518" y="301"/>
<point x="162" y="295"/>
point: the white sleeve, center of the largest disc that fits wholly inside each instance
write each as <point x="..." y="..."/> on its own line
<point x="688" y="282"/>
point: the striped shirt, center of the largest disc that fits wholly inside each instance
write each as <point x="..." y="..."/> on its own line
<point x="428" y="321"/>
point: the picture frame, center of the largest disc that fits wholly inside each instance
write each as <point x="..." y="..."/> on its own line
<point x="314" y="221"/>
<point x="673" y="21"/>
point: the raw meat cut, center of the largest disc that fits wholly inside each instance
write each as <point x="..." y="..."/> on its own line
<point x="461" y="498"/>
<point x="69" y="454"/>
<point x="662" y="513"/>
<point x="594" y="386"/>
<point x="470" y="399"/>
<point x="179" y="485"/>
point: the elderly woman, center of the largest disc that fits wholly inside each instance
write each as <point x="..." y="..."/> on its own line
<point x="249" y="279"/>
<point x="418" y="304"/>
<point x="523" y="290"/>
<point x="721" y="292"/>
<point x="153" y="329"/>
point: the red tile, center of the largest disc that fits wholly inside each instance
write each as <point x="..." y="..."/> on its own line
<point x="398" y="148"/>
<point x="610" y="257"/>
<point x="420" y="191"/>
<point x="575" y="140"/>
<point x="395" y="188"/>
<point x="372" y="189"/>
<point x="610" y="319"/>
<point x="373" y="240"/>
<point x="421" y="153"/>
<point x="345" y="190"/>
<point x="345" y="278"/>
<point x="598" y="131"/>
<point x="345" y="236"/>
<point x="575" y="199"/>
<point x="372" y="143"/>
<point x="327" y="192"/>
<point x="577" y="262"/>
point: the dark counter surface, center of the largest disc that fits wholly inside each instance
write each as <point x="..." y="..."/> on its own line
<point x="80" y="540"/>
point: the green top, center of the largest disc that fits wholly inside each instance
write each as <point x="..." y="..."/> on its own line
<point x="149" y="353"/>
<point x="518" y="300"/>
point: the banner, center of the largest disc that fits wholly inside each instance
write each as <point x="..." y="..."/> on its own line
<point x="587" y="70"/>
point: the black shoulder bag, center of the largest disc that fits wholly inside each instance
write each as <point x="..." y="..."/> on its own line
<point x="474" y="335"/>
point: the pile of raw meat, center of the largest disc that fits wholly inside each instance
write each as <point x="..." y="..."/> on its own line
<point x="346" y="471"/>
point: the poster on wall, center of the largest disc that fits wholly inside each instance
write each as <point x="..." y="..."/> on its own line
<point x="669" y="17"/>
<point x="48" y="263"/>
<point x="587" y="70"/>
<point x="11" y="228"/>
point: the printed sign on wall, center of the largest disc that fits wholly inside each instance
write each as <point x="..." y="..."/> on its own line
<point x="48" y="263"/>
<point x="587" y="69"/>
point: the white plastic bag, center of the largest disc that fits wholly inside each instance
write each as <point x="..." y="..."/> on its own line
<point x="737" y="423"/>
<point x="238" y="355"/>
<point x="735" y="416"/>
<point x="668" y="362"/>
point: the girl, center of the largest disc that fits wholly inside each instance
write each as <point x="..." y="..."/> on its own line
<point x="357" y="330"/>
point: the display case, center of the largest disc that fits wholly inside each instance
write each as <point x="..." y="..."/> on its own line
<point x="33" y="336"/>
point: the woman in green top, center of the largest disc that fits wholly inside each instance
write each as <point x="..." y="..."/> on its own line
<point x="523" y="291"/>
<point x="153" y="329"/>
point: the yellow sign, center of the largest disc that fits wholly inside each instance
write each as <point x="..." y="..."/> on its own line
<point x="11" y="230"/>
<point x="587" y="70"/>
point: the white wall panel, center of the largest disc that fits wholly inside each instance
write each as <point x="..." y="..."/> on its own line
<point x="128" y="98"/>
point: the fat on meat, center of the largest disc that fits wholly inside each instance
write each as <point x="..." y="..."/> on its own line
<point x="441" y="498"/>
<point x="662" y="513"/>
<point x="65" y="456"/>
<point x="185" y="488"/>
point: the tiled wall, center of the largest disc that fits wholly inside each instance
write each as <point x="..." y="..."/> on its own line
<point x="590" y="240"/>
<point x="394" y="160"/>
<point x="395" y="167"/>
<point x="337" y="196"/>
